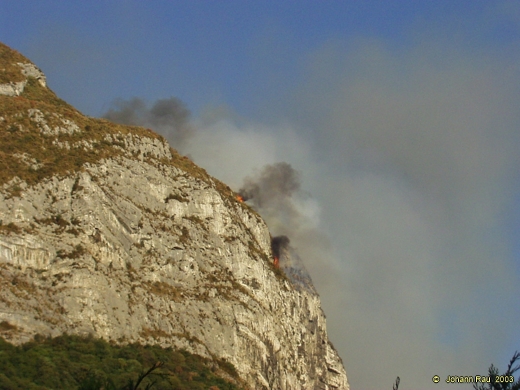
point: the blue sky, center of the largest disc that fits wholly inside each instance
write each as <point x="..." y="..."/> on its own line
<point x="401" y="116"/>
<point x="234" y="51"/>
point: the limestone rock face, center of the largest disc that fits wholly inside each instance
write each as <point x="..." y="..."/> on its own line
<point x="15" y="88"/>
<point x="134" y="243"/>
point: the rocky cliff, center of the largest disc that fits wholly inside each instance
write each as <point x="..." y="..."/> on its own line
<point x="106" y="230"/>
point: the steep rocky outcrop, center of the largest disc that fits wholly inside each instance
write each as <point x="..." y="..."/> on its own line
<point x="106" y="230"/>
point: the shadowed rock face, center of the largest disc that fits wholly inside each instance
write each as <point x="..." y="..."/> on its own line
<point x="132" y="242"/>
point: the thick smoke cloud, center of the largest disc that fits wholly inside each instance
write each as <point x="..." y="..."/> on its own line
<point x="278" y="244"/>
<point x="275" y="192"/>
<point x="407" y="164"/>
<point x="275" y="183"/>
<point x="168" y="117"/>
<point x="398" y="182"/>
<point x="407" y="148"/>
<point x="420" y="160"/>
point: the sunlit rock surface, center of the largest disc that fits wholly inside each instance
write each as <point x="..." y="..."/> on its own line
<point x="136" y="244"/>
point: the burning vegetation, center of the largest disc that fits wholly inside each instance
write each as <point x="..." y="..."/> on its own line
<point x="270" y="192"/>
<point x="278" y="244"/>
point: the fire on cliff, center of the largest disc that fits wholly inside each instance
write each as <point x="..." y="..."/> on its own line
<point x="278" y="244"/>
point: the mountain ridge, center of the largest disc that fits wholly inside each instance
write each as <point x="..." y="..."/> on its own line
<point x="107" y="230"/>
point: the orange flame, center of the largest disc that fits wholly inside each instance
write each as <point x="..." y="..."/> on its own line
<point x="240" y="198"/>
<point x="276" y="262"/>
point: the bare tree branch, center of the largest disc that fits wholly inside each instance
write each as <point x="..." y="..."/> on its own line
<point x="396" y="386"/>
<point x="144" y="375"/>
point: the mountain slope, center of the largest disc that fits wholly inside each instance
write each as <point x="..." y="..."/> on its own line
<point x="106" y="230"/>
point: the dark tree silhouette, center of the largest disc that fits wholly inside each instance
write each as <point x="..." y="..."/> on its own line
<point x="144" y="375"/>
<point x="504" y="381"/>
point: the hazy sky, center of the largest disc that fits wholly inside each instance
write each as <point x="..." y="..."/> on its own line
<point x="400" y="117"/>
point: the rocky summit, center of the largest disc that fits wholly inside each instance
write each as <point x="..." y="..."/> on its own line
<point x="105" y="230"/>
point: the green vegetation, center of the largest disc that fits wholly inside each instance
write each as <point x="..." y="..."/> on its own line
<point x="73" y="362"/>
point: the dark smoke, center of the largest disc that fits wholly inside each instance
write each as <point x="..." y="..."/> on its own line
<point x="274" y="183"/>
<point x="278" y="244"/>
<point x="291" y="264"/>
<point x="127" y="112"/>
<point x="168" y="117"/>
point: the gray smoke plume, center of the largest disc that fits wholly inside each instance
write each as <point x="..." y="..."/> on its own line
<point x="274" y="192"/>
<point x="274" y="183"/>
<point x="168" y="117"/>
<point x="291" y="263"/>
<point x="278" y="244"/>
